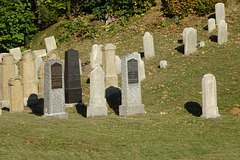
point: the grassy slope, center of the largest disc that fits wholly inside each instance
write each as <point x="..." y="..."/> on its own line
<point x="167" y="130"/>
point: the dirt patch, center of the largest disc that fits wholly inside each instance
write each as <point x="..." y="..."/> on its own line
<point x="235" y="111"/>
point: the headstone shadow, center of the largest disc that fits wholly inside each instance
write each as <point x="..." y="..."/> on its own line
<point x="82" y="109"/>
<point x="180" y="49"/>
<point x="205" y="28"/>
<point x="114" y="98"/>
<point x="35" y="104"/>
<point x="213" y="38"/>
<point x="193" y="108"/>
<point x="212" y="16"/>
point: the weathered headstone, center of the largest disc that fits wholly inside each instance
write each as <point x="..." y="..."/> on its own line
<point x="38" y="62"/>
<point x="16" y="52"/>
<point x="73" y="90"/>
<point x="54" y="102"/>
<point x="142" y="67"/>
<point x="1" y="55"/>
<point x="50" y="43"/>
<point x="53" y="55"/>
<point x="219" y="12"/>
<point x="7" y="71"/>
<point x="97" y="102"/>
<point x="80" y="66"/>
<point x="209" y="97"/>
<point x="148" y="45"/>
<point x="163" y="64"/>
<point x="40" y="53"/>
<point x="28" y="73"/>
<point x="16" y="94"/>
<point x="190" y="41"/>
<point x="96" y="55"/>
<point x="211" y="25"/>
<point x="222" y="32"/>
<point x="41" y="81"/>
<point x="131" y="87"/>
<point x="109" y="65"/>
<point x="118" y="65"/>
<point x="16" y="70"/>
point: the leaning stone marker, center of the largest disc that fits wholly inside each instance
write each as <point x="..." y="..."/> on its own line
<point x="190" y="41"/>
<point x="73" y="90"/>
<point x="163" y="64"/>
<point x="16" y="94"/>
<point x="148" y="45"/>
<point x="16" y="52"/>
<point x="54" y="102"/>
<point x="131" y="87"/>
<point x="211" y="25"/>
<point x="219" y="12"/>
<point x="222" y="32"/>
<point x="209" y="97"/>
<point x="109" y="65"/>
<point x="50" y="43"/>
<point x="97" y="102"/>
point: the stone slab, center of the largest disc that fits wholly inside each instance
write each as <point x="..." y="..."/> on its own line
<point x="50" y="43"/>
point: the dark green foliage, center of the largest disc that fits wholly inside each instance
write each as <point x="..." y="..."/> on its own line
<point x="17" y="23"/>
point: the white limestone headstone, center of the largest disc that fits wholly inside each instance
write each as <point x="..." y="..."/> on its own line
<point x="40" y="53"/>
<point x="118" y="65"/>
<point x="50" y="43"/>
<point x="142" y="66"/>
<point x="211" y="25"/>
<point x="222" y="32"/>
<point x="209" y="97"/>
<point x="219" y="12"/>
<point x="80" y="66"/>
<point x="16" y="52"/>
<point x="96" y="55"/>
<point x="163" y="64"/>
<point x="148" y="45"/>
<point x="190" y="45"/>
<point x="97" y="102"/>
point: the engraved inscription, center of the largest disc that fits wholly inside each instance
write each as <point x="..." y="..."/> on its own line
<point x="56" y="71"/>
<point x="132" y="65"/>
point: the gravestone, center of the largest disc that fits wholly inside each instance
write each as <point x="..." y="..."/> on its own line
<point x="38" y="62"/>
<point x="142" y="66"/>
<point x="118" y="65"/>
<point x="209" y="97"/>
<point x="96" y="55"/>
<point x="16" y="70"/>
<point x="222" y="32"/>
<point x="184" y="34"/>
<point x="16" y="94"/>
<point x="50" y="43"/>
<point x="109" y="65"/>
<point x="190" y="45"/>
<point x="219" y="12"/>
<point x="7" y="71"/>
<point x="211" y="25"/>
<point x="73" y="90"/>
<point x="54" y="102"/>
<point x="80" y="66"/>
<point x="97" y="102"/>
<point x="1" y="55"/>
<point x="28" y="73"/>
<point x="16" y="52"/>
<point x="40" y="53"/>
<point x="131" y="87"/>
<point x="41" y="81"/>
<point x="0" y="111"/>
<point x="148" y="45"/>
<point x="163" y="64"/>
<point x="53" y="55"/>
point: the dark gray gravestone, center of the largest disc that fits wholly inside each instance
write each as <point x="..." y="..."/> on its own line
<point x="73" y="90"/>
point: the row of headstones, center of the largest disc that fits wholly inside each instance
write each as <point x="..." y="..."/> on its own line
<point x="190" y="34"/>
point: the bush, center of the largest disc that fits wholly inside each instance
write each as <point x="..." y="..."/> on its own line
<point x="182" y="8"/>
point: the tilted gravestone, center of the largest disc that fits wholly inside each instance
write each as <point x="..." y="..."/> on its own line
<point x="16" y="94"/>
<point x="54" y="101"/>
<point x="109" y="65"/>
<point x="96" y="55"/>
<point x="211" y="25"/>
<point x="28" y="73"/>
<point x="209" y="97"/>
<point x="73" y="90"/>
<point x="50" y="43"/>
<point x="222" y="32"/>
<point x="118" y="65"/>
<point x="148" y="45"/>
<point x="131" y="87"/>
<point x="16" y="52"/>
<point x="190" y="38"/>
<point x="7" y="71"/>
<point x="219" y="12"/>
<point x="142" y="66"/>
<point x="97" y="102"/>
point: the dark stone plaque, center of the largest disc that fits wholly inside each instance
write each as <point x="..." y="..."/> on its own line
<point x="56" y="73"/>
<point x="132" y="65"/>
<point x="73" y="90"/>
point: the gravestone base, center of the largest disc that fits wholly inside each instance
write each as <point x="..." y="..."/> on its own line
<point x="111" y="81"/>
<point x="57" y="115"/>
<point x="96" y="111"/>
<point x="5" y="103"/>
<point x="210" y="116"/>
<point x="127" y="110"/>
<point x="73" y="95"/>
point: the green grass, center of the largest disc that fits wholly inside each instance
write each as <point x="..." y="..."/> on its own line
<point x="167" y="130"/>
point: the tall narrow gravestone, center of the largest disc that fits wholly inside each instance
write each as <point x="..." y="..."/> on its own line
<point x="96" y="55"/>
<point x="219" y="12"/>
<point x="97" y="102"/>
<point x="16" y="94"/>
<point x="211" y="25"/>
<point x="148" y="45"/>
<point x="222" y="32"/>
<point x="209" y="97"/>
<point x="7" y="71"/>
<point x="131" y="87"/>
<point x="190" y="41"/>
<point x="109" y="65"/>
<point x="73" y="90"/>
<point x="50" y="43"/>
<point x="54" y="102"/>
